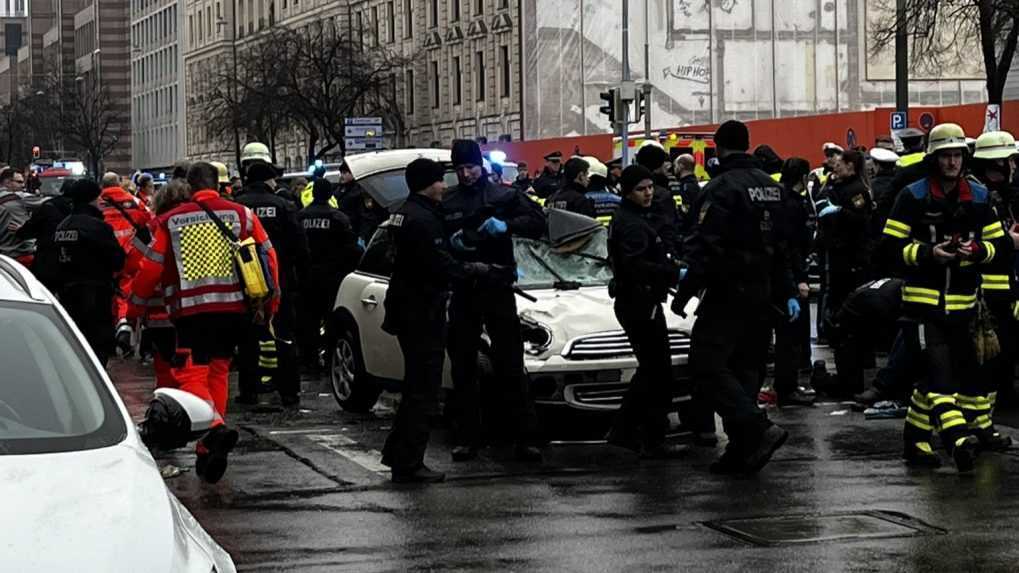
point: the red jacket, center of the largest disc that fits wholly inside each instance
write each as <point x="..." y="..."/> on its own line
<point x="124" y="228"/>
<point x="194" y="263"/>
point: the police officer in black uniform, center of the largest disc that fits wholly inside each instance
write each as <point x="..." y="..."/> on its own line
<point x="89" y="257"/>
<point x="481" y="219"/>
<point x="551" y="179"/>
<point x="736" y="253"/>
<point x="416" y="314"/>
<point x="643" y="274"/>
<point x="334" y="254"/>
<point x="279" y="217"/>
<point x="664" y="206"/>
<point x="573" y="196"/>
<point x="41" y="227"/>
<point x="358" y="205"/>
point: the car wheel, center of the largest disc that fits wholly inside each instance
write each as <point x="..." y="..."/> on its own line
<point x="350" y="385"/>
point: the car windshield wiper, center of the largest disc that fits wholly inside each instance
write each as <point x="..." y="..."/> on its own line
<point x="561" y="283"/>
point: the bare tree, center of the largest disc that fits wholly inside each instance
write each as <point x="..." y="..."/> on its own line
<point x="945" y="32"/>
<point x="89" y="119"/>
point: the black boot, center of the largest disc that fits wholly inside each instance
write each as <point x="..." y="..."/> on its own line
<point x="419" y="475"/>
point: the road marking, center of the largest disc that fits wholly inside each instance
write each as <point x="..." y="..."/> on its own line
<point x="350" y="449"/>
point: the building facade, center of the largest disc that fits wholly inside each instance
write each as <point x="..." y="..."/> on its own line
<point x="158" y="115"/>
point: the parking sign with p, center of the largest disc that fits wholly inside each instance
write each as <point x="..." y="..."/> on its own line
<point x="898" y="120"/>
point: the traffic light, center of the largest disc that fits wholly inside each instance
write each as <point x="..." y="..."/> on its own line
<point x="609" y="108"/>
<point x="643" y="98"/>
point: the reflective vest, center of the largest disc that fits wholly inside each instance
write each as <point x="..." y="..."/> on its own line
<point x="907" y="160"/>
<point x="307" y="196"/>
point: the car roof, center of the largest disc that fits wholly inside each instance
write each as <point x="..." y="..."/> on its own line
<point x="365" y="164"/>
<point x="17" y="284"/>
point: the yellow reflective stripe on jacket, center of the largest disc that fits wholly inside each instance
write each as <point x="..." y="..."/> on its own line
<point x="989" y="247"/>
<point x="993" y="231"/>
<point x="938" y="399"/>
<point x="897" y="229"/>
<point x="960" y="301"/>
<point x="537" y="200"/>
<point x="777" y="177"/>
<point x="907" y="160"/>
<point x="678" y="200"/>
<point x="605" y="220"/>
<point x="921" y="295"/>
<point x="307" y="196"/>
<point x="909" y="254"/>
<point x="994" y="282"/>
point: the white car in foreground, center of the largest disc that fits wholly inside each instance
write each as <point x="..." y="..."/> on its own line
<point x="575" y="352"/>
<point x="80" y="491"/>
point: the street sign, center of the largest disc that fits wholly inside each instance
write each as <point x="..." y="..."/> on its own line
<point x="898" y="120"/>
<point x="363" y="121"/>
<point x="362" y="131"/>
<point x="926" y="120"/>
<point x="364" y="143"/>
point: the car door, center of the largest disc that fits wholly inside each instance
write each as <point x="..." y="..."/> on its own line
<point x="365" y="298"/>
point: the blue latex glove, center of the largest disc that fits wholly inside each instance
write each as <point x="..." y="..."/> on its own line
<point x="457" y="241"/>
<point x="793" y="306"/>
<point x="360" y="244"/>
<point x="682" y="273"/>
<point x="829" y="210"/>
<point x="493" y="227"/>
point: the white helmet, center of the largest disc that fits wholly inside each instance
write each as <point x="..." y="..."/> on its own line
<point x="882" y="155"/>
<point x="596" y="167"/>
<point x="256" y="152"/>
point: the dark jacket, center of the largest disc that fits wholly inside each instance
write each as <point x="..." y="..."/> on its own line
<point x="882" y="189"/>
<point x="331" y="241"/>
<point x="279" y="218"/>
<point x="639" y="255"/>
<point x="41" y="227"/>
<point x="738" y="248"/>
<point x="572" y="198"/>
<point x="801" y="235"/>
<point x="665" y="210"/>
<point x="846" y="234"/>
<point x="547" y="184"/>
<point x="90" y="254"/>
<point x="467" y="208"/>
<point x="687" y="189"/>
<point x="364" y="220"/>
<point x="998" y="280"/>
<point x="605" y="201"/>
<point x="924" y="216"/>
<point x="523" y="185"/>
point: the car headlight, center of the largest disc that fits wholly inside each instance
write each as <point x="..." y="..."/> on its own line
<point x="537" y="337"/>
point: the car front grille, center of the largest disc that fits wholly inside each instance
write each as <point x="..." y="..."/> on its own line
<point x="615" y="345"/>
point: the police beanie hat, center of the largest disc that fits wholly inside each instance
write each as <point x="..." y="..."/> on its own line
<point x="652" y="157"/>
<point x="575" y="166"/>
<point x="84" y="191"/>
<point x="260" y="171"/>
<point x="733" y="135"/>
<point x="322" y="189"/>
<point x="422" y="173"/>
<point x="466" y="152"/>
<point x="633" y="175"/>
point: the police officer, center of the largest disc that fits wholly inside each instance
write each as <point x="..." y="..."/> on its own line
<point x="334" y="254"/>
<point x="605" y="201"/>
<point x="941" y="234"/>
<point x="736" y="252"/>
<point x="882" y="187"/>
<point x="279" y="218"/>
<point x="482" y="219"/>
<point x="358" y="205"/>
<point x="416" y="314"/>
<point x="643" y="274"/>
<point x="41" y="227"/>
<point x="664" y="207"/>
<point x="573" y="195"/>
<point x="551" y="178"/>
<point x="523" y="182"/>
<point x="89" y="257"/>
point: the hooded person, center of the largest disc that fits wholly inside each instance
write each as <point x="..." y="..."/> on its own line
<point x="573" y="195"/>
<point x="771" y="163"/>
<point x="90" y="258"/>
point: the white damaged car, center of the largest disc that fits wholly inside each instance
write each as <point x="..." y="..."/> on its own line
<point x="80" y="491"/>
<point x="575" y="352"/>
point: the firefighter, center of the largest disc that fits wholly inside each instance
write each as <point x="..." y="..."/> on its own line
<point x="416" y="314"/>
<point x="279" y="218"/>
<point x="605" y="201"/>
<point x="993" y="165"/>
<point x="573" y="195"/>
<point x="209" y="329"/>
<point x="736" y="252"/>
<point x="941" y="234"/>
<point x="334" y="254"/>
<point x="224" y="179"/>
<point x="482" y="219"/>
<point x="551" y="179"/>
<point x="643" y="274"/>
<point x="129" y="219"/>
<point x="89" y="257"/>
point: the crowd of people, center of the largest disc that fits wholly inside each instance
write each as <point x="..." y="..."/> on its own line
<point x="914" y="255"/>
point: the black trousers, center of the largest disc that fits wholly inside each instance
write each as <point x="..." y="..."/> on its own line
<point x="905" y="364"/>
<point x="209" y="336"/>
<point x="423" y="344"/>
<point x="792" y="350"/>
<point x="286" y="378"/>
<point x="727" y="356"/>
<point x="642" y="416"/>
<point x="317" y="298"/>
<point x="91" y="308"/>
<point x="1000" y="370"/>
<point x="511" y="405"/>
<point x="951" y="369"/>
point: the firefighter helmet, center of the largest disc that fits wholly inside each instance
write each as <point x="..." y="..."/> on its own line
<point x="995" y="145"/>
<point x="596" y="167"/>
<point x="946" y="136"/>
<point x="256" y="152"/>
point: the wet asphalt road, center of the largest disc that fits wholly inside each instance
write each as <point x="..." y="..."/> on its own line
<point x="305" y="492"/>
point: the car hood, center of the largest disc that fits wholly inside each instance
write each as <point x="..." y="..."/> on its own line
<point x="95" y="510"/>
<point x="569" y="314"/>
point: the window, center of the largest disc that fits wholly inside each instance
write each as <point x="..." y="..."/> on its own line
<point x="391" y="22"/>
<point x="503" y="4"/>
<point x="435" y="84"/>
<point x="504" y="66"/>
<point x="378" y="257"/>
<point x="479" y="76"/>
<point x="360" y="30"/>
<point x="454" y="10"/>
<point x="408" y="19"/>
<point x="208" y="18"/>
<point x="479" y="7"/>
<point x="410" y="92"/>
<point x="375" y="26"/>
<point x="457" y="81"/>
<point x="434" y="20"/>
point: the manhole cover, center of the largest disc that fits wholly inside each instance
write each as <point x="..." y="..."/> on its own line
<point x="815" y="528"/>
